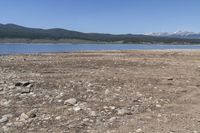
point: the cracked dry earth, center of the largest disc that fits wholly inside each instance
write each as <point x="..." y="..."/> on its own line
<point x="101" y="92"/>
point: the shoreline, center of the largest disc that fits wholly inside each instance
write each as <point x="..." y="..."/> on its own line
<point x="105" y="51"/>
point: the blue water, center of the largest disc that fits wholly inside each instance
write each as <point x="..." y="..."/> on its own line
<point x="48" y="48"/>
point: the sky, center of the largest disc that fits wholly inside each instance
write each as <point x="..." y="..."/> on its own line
<point x="104" y="16"/>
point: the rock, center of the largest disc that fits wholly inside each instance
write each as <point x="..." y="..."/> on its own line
<point x="158" y="106"/>
<point x="5" y="102"/>
<point x="92" y="113"/>
<point x="29" y="86"/>
<point x="25" y="90"/>
<point x="112" y="107"/>
<point x="11" y="87"/>
<point x="107" y="92"/>
<point x="170" y="78"/>
<point x="138" y="94"/>
<point x="3" y="119"/>
<point x="83" y="106"/>
<point x="23" y="117"/>
<point x="138" y="130"/>
<point x="60" y="100"/>
<point x="71" y="101"/>
<point x="32" y="113"/>
<point x="86" y="119"/>
<point x="76" y="108"/>
<point x="58" y="117"/>
<point x="123" y="111"/>
<point x="112" y="119"/>
<point x="1" y="89"/>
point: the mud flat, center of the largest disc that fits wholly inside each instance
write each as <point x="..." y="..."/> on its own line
<point x="97" y="92"/>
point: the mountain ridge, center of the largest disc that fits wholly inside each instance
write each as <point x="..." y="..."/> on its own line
<point x="9" y="32"/>
<point x="178" y="34"/>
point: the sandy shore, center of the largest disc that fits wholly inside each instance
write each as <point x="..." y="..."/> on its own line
<point x="97" y="92"/>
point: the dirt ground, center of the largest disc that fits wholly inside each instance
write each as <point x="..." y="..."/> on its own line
<point x="101" y="92"/>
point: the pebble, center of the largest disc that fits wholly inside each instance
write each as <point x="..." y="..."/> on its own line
<point x="170" y="78"/>
<point x="71" y="101"/>
<point x="93" y="113"/>
<point x="112" y="119"/>
<point x="107" y="92"/>
<point x="25" y="90"/>
<point x="32" y="113"/>
<point x="112" y="107"/>
<point x="58" y="117"/>
<point x="76" y="108"/>
<point x="138" y="130"/>
<point x="5" y="102"/>
<point x="11" y="87"/>
<point x="3" y="119"/>
<point x="23" y="117"/>
<point x="123" y="111"/>
<point x="158" y="106"/>
<point x="60" y="100"/>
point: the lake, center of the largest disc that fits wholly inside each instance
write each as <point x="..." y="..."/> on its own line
<point x="48" y="48"/>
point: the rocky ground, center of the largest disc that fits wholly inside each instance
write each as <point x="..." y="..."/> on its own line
<point x="101" y="92"/>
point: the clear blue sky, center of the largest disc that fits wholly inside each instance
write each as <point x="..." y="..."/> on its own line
<point x="107" y="16"/>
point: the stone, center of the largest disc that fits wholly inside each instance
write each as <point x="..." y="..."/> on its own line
<point x="71" y="101"/>
<point x="112" y="107"/>
<point x="5" y="102"/>
<point x="123" y="111"/>
<point x="170" y="78"/>
<point x="112" y="119"/>
<point x="76" y="108"/>
<point x="29" y="86"/>
<point x="32" y="113"/>
<point x="3" y="119"/>
<point x="23" y="117"/>
<point x="25" y="90"/>
<point x="158" y="106"/>
<point x="92" y="113"/>
<point x="60" y="100"/>
<point x="83" y="106"/>
<point x="138" y="94"/>
<point x="11" y="87"/>
<point x="138" y="130"/>
<point x="107" y="92"/>
<point x="58" y="117"/>
<point x="1" y="89"/>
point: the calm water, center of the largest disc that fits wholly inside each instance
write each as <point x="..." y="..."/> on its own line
<point x="46" y="48"/>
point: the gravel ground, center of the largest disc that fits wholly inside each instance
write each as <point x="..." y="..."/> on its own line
<point x="101" y="92"/>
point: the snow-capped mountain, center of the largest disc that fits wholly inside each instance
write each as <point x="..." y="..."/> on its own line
<point x="178" y="34"/>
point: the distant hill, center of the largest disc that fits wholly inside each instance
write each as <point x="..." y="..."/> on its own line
<point x="14" y="33"/>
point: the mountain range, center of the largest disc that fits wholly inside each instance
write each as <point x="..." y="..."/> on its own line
<point x="12" y="33"/>
<point x="178" y="34"/>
